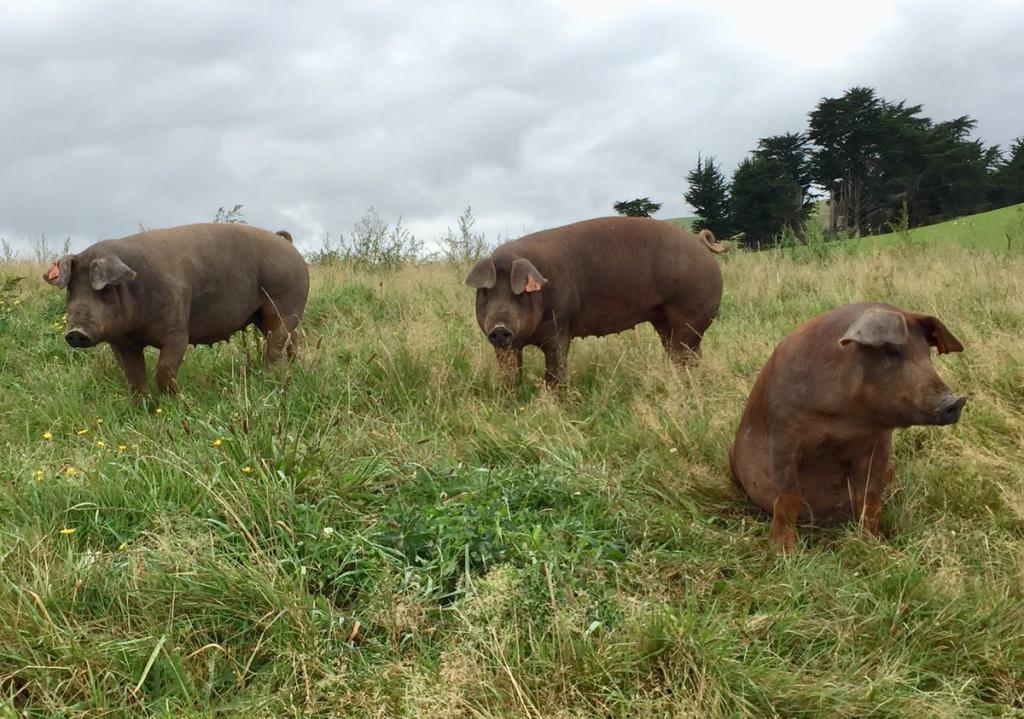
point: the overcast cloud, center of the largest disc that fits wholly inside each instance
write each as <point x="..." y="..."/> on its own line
<point x="535" y="113"/>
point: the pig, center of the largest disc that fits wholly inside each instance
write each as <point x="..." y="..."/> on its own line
<point x="815" y="439"/>
<point x="595" y="278"/>
<point x="195" y="284"/>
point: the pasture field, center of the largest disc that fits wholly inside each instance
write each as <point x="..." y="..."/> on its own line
<point x="382" y="529"/>
<point x="1000" y="230"/>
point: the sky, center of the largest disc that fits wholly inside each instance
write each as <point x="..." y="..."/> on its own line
<point x="115" y="115"/>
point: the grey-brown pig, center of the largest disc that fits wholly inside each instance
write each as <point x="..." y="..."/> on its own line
<point x="595" y="278"/>
<point x="195" y="284"/>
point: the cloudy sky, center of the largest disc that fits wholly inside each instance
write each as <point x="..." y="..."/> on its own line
<point x="535" y="113"/>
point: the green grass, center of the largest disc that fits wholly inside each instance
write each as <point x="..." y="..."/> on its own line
<point x="685" y="222"/>
<point x="996" y="230"/>
<point x="383" y="530"/>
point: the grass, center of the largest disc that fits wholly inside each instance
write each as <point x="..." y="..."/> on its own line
<point x="999" y="230"/>
<point x="685" y="222"/>
<point x="383" y="530"/>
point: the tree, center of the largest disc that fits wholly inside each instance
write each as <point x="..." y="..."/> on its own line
<point x="847" y="132"/>
<point x="640" y="207"/>
<point x="765" y="198"/>
<point x="708" y="194"/>
<point x="793" y="154"/>
<point x="954" y="180"/>
<point x="1008" y="176"/>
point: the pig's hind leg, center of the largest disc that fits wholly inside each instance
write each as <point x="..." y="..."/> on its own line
<point x="679" y="337"/>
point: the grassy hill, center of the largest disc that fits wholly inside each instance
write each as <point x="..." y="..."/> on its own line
<point x="991" y="230"/>
<point x="684" y="222"/>
<point x="384" y="530"/>
<point x="995" y="230"/>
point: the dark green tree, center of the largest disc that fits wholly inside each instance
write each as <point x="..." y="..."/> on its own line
<point x="791" y="150"/>
<point x="765" y="198"/>
<point x="640" y="207"/>
<point x="1008" y="176"/>
<point x="954" y="179"/>
<point x="847" y="132"/>
<point x="708" y="194"/>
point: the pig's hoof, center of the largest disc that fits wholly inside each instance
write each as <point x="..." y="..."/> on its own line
<point x="782" y="540"/>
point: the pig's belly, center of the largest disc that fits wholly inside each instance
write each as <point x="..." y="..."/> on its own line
<point x="613" y="322"/>
<point x="213" y="326"/>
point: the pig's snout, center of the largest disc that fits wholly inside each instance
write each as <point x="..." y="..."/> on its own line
<point x="79" y="338"/>
<point x="500" y="336"/>
<point x="949" y="409"/>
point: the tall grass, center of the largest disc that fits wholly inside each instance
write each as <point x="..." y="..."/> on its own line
<point x="382" y="529"/>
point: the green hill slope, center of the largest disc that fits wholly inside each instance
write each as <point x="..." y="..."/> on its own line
<point x="991" y="230"/>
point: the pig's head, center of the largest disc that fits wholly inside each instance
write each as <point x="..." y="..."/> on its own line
<point x="99" y="308"/>
<point x="895" y="383"/>
<point x="509" y="301"/>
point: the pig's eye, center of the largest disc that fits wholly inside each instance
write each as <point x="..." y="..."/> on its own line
<point x="893" y="352"/>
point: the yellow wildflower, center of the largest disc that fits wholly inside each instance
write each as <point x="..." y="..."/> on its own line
<point x="101" y="444"/>
<point x="122" y="546"/>
<point x="47" y="436"/>
<point x="122" y="447"/>
<point x="38" y="474"/>
<point x="68" y="530"/>
<point x="70" y="471"/>
<point x="99" y="420"/>
<point x="159" y="411"/>
<point x="217" y="442"/>
<point x="246" y="470"/>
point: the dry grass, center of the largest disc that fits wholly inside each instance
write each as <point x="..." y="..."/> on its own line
<point x="412" y="539"/>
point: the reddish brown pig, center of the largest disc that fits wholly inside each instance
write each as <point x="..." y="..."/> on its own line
<point x="196" y="284"/>
<point x="815" y="439"/>
<point x="596" y="278"/>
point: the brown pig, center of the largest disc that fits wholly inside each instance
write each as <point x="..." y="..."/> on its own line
<point x="596" y="278"/>
<point x="815" y="439"/>
<point x="196" y="284"/>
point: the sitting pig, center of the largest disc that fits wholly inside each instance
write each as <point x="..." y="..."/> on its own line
<point x="596" y="277"/>
<point x="815" y="439"/>
<point x="196" y="284"/>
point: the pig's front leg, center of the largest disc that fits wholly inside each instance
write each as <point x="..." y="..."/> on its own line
<point x="133" y="364"/>
<point x="785" y="461"/>
<point x="172" y="351"/>
<point x="556" y="355"/>
<point x="871" y="471"/>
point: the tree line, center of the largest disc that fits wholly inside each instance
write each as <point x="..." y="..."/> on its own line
<point x="879" y="164"/>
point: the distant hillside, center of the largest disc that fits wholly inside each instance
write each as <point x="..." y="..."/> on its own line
<point x="991" y="230"/>
<point x="684" y="222"/>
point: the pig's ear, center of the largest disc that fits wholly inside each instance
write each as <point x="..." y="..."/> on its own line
<point x="60" y="272"/>
<point x="109" y="270"/>
<point x="526" y="277"/>
<point x="875" y="328"/>
<point x="482" y="276"/>
<point x="939" y="336"/>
